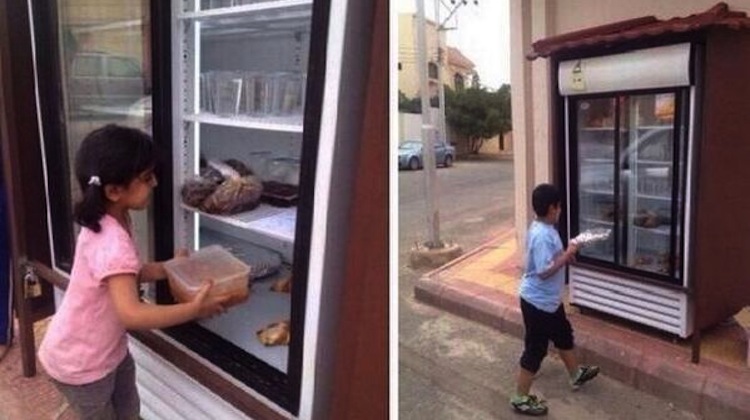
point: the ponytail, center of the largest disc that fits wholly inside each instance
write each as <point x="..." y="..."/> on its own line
<point x="91" y="208"/>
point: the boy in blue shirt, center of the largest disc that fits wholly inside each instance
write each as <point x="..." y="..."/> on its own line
<point x="541" y="302"/>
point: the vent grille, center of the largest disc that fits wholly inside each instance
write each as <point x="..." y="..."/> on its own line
<point x="657" y="307"/>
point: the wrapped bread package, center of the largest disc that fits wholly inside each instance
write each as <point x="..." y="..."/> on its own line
<point x="590" y="236"/>
<point x="230" y="275"/>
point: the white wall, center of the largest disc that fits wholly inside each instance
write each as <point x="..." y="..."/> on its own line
<point x="410" y="125"/>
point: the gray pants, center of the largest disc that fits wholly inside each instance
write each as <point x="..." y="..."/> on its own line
<point x="113" y="397"/>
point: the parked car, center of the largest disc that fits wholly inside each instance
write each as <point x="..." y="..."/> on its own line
<point x="410" y="154"/>
<point x="653" y="145"/>
<point x="99" y="79"/>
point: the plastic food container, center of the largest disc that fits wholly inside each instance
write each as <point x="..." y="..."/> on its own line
<point x="229" y="274"/>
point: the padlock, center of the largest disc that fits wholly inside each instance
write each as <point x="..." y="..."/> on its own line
<point x="32" y="286"/>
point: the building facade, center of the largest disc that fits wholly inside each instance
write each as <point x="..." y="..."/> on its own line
<point x="458" y="70"/>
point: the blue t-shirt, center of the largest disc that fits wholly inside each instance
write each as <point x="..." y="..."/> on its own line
<point x="543" y="244"/>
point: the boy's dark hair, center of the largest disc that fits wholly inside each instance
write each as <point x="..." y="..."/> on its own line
<point x="116" y="155"/>
<point x="543" y="196"/>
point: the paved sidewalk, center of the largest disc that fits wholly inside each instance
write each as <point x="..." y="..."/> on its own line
<point x="482" y="285"/>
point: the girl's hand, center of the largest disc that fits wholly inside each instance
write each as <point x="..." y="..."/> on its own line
<point x="181" y="253"/>
<point x="206" y="305"/>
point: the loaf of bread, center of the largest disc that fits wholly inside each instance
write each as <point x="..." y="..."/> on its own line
<point x="276" y="334"/>
<point x="282" y="285"/>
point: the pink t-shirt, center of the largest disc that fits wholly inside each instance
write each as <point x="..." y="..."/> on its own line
<point x="85" y="340"/>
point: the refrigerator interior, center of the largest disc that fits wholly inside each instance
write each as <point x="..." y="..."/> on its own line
<point x="242" y="69"/>
<point x="629" y="174"/>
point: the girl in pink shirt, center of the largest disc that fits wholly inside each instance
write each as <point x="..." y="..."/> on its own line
<point x="85" y="348"/>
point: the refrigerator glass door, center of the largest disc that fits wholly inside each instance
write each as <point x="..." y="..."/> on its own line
<point x="648" y="168"/>
<point x="93" y="68"/>
<point x="596" y="172"/>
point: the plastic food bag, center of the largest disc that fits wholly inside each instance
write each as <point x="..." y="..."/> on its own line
<point x="234" y="195"/>
<point x="196" y="190"/>
<point x="239" y="166"/>
<point x="210" y="174"/>
<point x="590" y="236"/>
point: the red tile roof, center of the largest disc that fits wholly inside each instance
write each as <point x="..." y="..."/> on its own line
<point x="639" y="28"/>
<point x="456" y="58"/>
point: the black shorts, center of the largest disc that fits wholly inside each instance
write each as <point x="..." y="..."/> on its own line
<point x="541" y="328"/>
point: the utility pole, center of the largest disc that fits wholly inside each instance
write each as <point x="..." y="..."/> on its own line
<point x="428" y="147"/>
<point x="442" y="55"/>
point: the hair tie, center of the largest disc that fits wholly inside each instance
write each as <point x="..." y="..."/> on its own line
<point x="94" y="180"/>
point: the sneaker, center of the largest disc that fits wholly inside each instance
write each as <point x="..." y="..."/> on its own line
<point x="529" y="404"/>
<point x="583" y="375"/>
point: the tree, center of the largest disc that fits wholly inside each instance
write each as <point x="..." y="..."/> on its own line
<point x="478" y="114"/>
<point x="475" y="82"/>
<point x="410" y="105"/>
<point x="414" y="105"/>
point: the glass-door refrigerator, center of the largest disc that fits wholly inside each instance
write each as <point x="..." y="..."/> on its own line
<point x="627" y="161"/>
<point x="261" y="110"/>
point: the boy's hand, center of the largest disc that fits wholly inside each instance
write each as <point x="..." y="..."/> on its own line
<point x="570" y="253"/>
<point x="206" y="305"/>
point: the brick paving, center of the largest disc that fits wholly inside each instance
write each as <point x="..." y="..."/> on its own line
<point x="32" y="398"/>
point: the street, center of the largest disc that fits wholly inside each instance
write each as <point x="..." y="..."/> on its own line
<point x="453" y="368"/>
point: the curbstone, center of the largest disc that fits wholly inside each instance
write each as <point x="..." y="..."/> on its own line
<point x="725" y="399"/>
<point x="513" y="322"/>
<point x="428" y="291"/>
<point x="614" y="359"/>
<point x="423" y="257"/>
<point x="676" y="382"/>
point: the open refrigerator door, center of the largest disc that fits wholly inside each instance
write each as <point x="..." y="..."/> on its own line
<point x="239" y="81"/>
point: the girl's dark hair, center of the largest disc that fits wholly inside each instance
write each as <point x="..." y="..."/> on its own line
<point x="543" y="196"/>
<point x="116" y="155"/>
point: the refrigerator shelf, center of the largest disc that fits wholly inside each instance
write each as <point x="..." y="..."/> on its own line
<point x="287" y="124"/>
<point x="275" y="222"/>
<point x="654" y="162"/>
<point x="258" y="12"/>
<point x="654" y="197"/>
<point x="240" y="323"/>
<point x="659" y="230"/>
<point x="597" y="221"/>
<point x="600" y="192"/>
<point x="597" y="160"/>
